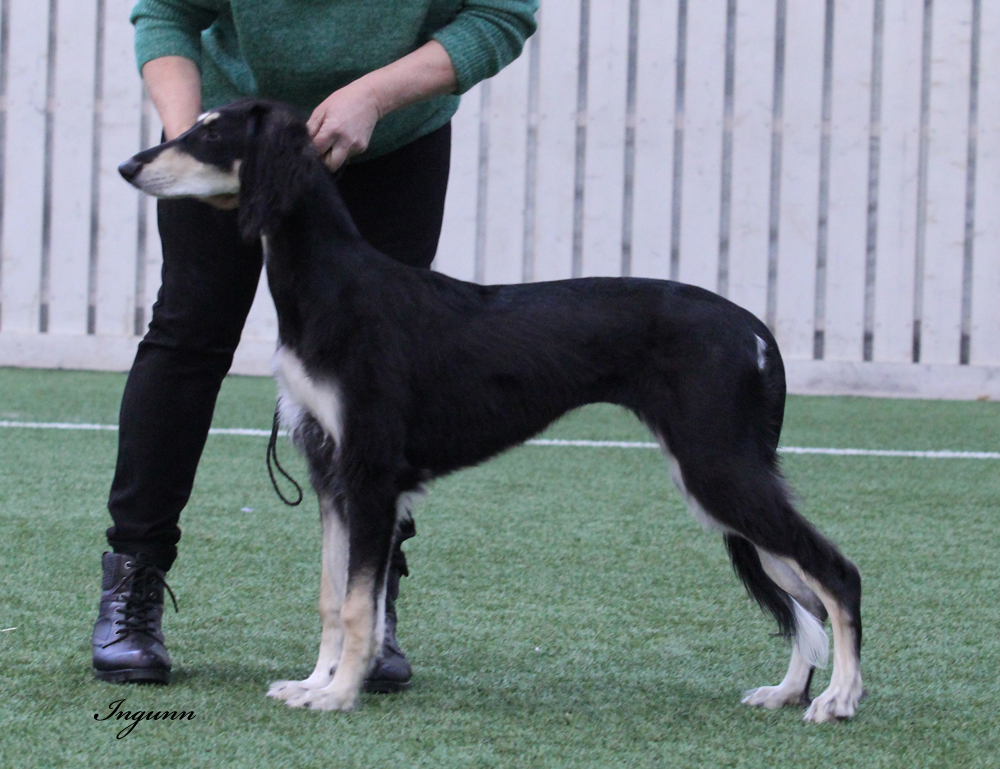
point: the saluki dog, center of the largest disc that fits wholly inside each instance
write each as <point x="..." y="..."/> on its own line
<point x="391" y="376"/>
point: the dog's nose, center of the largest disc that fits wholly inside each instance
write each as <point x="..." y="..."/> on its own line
<point x="130" y="169"/>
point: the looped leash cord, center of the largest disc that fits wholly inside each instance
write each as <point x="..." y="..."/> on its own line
<point x="272" y="454"/>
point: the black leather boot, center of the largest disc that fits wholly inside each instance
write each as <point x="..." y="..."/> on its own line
<point x="128" y="641"/>
<point x="392" y="671"/>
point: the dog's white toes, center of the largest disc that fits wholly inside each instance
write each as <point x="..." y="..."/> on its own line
<point x="300" y="698"/>
<point x="771" y="697"/>
<point x="322" y="699"/>
<point x="836" y="703"/>
<point x="282" y="690"/>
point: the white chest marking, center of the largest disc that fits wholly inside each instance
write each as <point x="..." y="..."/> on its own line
<point x="321" y="399"/>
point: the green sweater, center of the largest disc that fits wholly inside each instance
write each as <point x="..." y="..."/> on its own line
<point x="301" y="51"/>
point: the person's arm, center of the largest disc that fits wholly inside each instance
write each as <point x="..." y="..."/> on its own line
<point x="168" y="53"/>
<point x="341" y="126"/>
<point x="484" y="37"/>
<point x="174" y="85"/>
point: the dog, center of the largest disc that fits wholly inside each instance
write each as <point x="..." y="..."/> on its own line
<point x="390" y="376"/>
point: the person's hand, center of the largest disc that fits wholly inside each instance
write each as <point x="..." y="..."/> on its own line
<point x="341" y="126"/>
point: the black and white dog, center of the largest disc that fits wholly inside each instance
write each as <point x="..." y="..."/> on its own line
<point x="391" y="376"/>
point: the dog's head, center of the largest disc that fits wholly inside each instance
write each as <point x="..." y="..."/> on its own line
<point x="254" y="153"/>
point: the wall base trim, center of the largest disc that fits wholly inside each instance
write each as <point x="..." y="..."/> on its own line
<point x="811" y="377"/>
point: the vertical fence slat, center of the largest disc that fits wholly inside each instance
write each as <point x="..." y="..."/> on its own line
<point x="119" y="203"/>
<point x="262" y="322"/>
<point x="701" y="184"/>
<point x="847" y="214"/>
<point x="607" y="79"/>
<point x="25" y="159"/>
<point x="654" y="139"/>
<point x="899" y="160"/>
<point x="753" y="102"/>
<point x="153" y="267"/>
<point x="71" y="166"/>
<point x="985" y="343"/>
<point x="558" y="69"/>
<point x="505" y="186"/>
<point x="946" y="179"/>
<point x="797" y="227"/>
<point x="456" y="254"/>
<point x="154" y="249"/>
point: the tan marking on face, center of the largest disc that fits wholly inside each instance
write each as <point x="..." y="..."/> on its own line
<point x="175" y="174"/>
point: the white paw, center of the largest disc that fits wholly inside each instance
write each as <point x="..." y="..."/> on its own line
<point x="772" y="697"/>
<point x="838" y="701"/>
<point x="283" y="690"/>
<point x="323" y="699"/>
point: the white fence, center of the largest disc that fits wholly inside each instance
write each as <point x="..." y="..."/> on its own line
<point x="832" y="165"/>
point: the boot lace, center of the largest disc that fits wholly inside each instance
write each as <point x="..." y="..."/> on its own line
<point x="140" y="607"/>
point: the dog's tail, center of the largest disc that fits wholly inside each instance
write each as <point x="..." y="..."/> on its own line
<point x="763" y="589"/>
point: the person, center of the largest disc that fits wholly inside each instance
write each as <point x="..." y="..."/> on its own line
<point x="380" y="83"/>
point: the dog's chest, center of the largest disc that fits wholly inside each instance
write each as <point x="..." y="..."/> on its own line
<point x="303" y="394"/>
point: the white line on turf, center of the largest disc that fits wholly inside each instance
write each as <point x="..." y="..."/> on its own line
<point x="943" y="454"/>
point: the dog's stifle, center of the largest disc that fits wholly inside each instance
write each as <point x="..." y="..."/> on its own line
<point x="391" y="376"/>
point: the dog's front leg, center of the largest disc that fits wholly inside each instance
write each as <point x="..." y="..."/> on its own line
<point x="360" y="644"/>
<point x="371" y="524"/>
<point x="333" y="583"/>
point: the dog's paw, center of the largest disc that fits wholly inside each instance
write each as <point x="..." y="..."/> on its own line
<point x="772" y="697"/>
<point x="282" y="690"/>
<point x="837" y="702"/>
<point x="328" y="700"/>
<point x="323" y="699"/>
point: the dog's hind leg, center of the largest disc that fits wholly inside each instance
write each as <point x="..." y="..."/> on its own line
<point x="744" y="496"/>
<point x="811" y="569"/>
<point x="778" y="589"/>
<point x="332" y="586"/>
<point x="820" y="572"/>
<point x="793" y="689"/>
<point x="839" y="589"/>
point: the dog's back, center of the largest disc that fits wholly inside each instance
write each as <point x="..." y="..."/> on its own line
<point x="489" y="368"/>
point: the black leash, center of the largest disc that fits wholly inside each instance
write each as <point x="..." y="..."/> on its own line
<point x="272" y="454"/>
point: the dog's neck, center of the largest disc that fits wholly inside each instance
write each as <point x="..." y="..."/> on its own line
<point x="315" y="246"/>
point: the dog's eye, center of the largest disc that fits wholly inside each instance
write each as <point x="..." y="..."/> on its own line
<point x="212" y="136"/>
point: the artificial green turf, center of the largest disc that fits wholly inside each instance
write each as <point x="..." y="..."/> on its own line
<point x="564" y="610"/>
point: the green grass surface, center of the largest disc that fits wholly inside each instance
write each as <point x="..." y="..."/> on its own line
<point x="564" y="609"/>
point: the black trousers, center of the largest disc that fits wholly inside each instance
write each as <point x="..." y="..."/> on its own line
<point x="209" y="281"/>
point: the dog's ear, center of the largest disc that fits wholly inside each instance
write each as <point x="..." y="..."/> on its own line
<point x="276" y="166"/>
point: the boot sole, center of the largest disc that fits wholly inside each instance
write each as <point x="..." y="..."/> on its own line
<point x="133" y="675"/>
